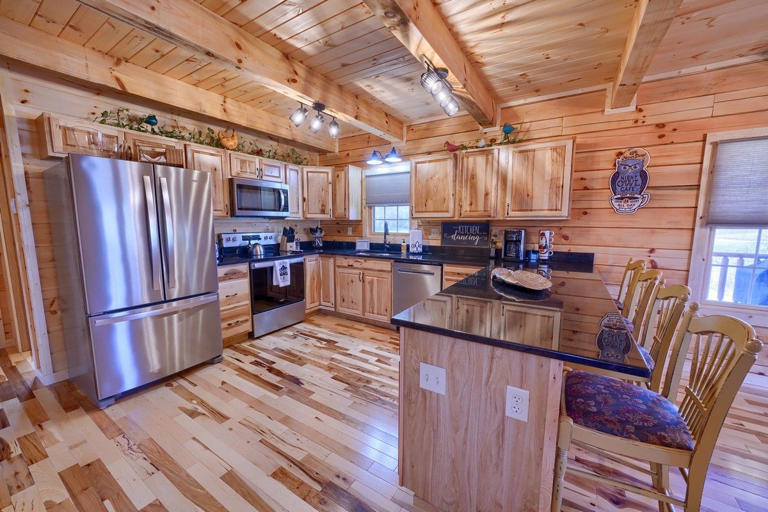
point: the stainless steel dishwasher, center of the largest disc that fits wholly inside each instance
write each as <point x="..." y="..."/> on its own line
<point x="415" y="282"/>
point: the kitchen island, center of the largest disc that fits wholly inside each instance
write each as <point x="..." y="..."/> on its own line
<point x="480" y="380"/>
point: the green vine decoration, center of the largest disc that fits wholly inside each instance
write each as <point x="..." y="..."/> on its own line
<point x="124" y="118"/>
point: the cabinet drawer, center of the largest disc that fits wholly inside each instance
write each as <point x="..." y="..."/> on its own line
<point x="232" y="272"/>
<point x="452" y="274"/>
<point x="364" y="263"/>
<point x="235" y="320"/>
<point x="234" y="292"/>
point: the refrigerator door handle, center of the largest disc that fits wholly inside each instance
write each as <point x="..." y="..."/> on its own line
<point x="169" y="234"/>
<point x="154" y="248"/>
<point x="155" y="311"/>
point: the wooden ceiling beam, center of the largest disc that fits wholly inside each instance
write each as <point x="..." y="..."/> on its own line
<point x="32" y="46"/>
<point x="187" y="24"/>
<point x="422" y="30"/>
<point x="649" y="25"/>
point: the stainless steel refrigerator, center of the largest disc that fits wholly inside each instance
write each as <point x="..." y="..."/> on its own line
<point x="136" y="271"/>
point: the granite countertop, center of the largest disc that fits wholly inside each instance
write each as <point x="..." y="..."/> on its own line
<point x="577" y="321"/>
<point x="433" y="258"/>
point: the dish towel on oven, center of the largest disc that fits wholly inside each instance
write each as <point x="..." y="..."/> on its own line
<point x="281" y="273"/>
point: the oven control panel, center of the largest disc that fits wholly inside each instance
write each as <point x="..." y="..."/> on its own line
<point x="240" y="239"/>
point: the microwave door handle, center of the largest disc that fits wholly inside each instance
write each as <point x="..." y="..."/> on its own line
<point x="168" y="222"/>
<point x="154" y="248"/>
<point x="282" y="199"/>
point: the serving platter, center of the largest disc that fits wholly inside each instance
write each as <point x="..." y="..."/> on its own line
<point x="521" y="278"/>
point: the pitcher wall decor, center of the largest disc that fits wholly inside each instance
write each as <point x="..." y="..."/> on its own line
<point x="629" y="181"/>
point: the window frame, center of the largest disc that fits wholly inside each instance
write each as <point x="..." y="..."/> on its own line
<point x="703" y="236"/>
<point x="372" y="220"/>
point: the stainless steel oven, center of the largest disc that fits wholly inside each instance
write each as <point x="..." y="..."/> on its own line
<point x="274" y="306"/>
<point x="256" y="198"/>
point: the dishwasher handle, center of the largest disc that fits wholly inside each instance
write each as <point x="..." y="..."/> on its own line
<point x="420" y="272"/>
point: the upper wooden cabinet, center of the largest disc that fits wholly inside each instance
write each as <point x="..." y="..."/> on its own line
<point x="215" y="161"/>
<point x="293" y="180"/>
<point x="433" y="184"/>
<point x="243" y="165"/>
<point x="535" y="180"/>
<point x="60" y="136"/>
<point x="317" y="185"/>
<point x="478" y="172"/>
<point x="347" y="193"/>
<point x="155" y="149"/>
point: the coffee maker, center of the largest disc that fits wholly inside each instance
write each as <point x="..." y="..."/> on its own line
<point x="514" y="245"/>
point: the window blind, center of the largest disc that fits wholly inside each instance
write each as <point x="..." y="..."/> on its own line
<point x="738" y="192"/>
<point x="387" y="188"/>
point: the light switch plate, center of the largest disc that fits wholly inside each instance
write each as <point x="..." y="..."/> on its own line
<point x="517" y="404"/>
<point x="432" y="378"/>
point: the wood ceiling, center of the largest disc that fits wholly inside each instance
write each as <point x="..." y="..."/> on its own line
<point x="522" y="48"/>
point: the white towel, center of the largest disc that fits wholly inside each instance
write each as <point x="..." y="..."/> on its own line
<point x="281" y="273"/>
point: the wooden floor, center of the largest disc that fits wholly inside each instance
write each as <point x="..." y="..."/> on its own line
<point x="305" y="419"/>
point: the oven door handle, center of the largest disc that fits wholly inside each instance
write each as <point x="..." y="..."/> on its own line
<point x="268" y="264"/>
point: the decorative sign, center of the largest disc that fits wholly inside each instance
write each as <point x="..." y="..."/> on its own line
<point x="630" y="180"/>
<point x="471" y="234"/>
<point x="613" y="339"/>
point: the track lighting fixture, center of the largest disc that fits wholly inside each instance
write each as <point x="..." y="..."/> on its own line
<point x="299" y="115"/>
<point x="433" y="80"/>
<point x="316" y="123"/>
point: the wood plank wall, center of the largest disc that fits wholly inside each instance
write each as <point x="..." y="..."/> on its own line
<point x="35" y="92"/>
<point x="671" y="121"/>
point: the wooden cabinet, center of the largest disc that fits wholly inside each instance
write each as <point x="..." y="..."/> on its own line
<point x="349" y="291"/>
<point x="377" y="295"/>
<point x="235" y="302"/>
<point x="317" y="186"/>
<point x="535" y="180"/>
<point x="433" y="185"/>
<point x="215" y="161"/>
<point x="524" y="324"/>
<point x="478" y="172"/>
<point x="59" y="136"/>
<point x="243" y="166"/>
<point x="454" y="273"/>
<point x="364" y="287"/>
<point x="347" y="193"/>
<point x="156" y="149"/>
<point x="327" y="282"/>
<point x="312" y="282"/>
<point x="272" y="170"/>
<point x="293" y="180"/>
<point x="470" y="313"/>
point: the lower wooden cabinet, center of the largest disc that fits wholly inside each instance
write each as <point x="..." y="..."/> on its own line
<point x="235" y="302"/>
<point x="327" y="282"/>
<point x="349" y="291"/>
<point x="312" y="282"/>
<point x="454" y="273"/>
<point x="377" y="295"/>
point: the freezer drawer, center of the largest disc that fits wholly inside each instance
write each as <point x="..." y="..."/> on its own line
<point x="140" y="346"/>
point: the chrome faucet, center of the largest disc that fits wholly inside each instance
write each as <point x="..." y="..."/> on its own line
<point x="386" y="234"/>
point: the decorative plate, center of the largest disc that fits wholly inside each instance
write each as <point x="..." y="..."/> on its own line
<point x="522" y="278"/>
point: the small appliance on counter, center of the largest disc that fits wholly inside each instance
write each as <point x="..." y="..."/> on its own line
<point x="514" y="245"/>
<point x="317" y="233"/>
<point x="415" y="241"/>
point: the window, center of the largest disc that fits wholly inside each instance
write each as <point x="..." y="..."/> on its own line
<point x="729" y="260"/>
<point x="738" y="266"/>
<point x="397" y="216"/>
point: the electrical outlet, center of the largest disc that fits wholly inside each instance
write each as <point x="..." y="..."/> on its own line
<point x="517" y="404"/>
<point x="432" y="378"/>
<point x="434" y="233"/>
<point x="349" y="230"/>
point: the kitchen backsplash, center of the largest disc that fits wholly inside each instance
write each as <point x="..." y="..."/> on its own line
<point x="264" y="226"/>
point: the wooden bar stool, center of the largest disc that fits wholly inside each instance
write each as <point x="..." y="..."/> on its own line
<point x="638" y="303"/>
<point x="618" y="420"/>
<point x="655" y="338"/>
<point x="628" y="281"/>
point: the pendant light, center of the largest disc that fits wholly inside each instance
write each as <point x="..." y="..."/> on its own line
<point x="299" y="115"/>
<point x="393" y="156"/>
<point x="333" y="128"/>
<point x="433" y="80"/>
<point x="317" y="122"/>
<point x="375" y="158"/>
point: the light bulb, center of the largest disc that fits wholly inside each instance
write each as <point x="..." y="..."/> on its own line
<point x="316" y="123"/>
<point x="333" y="129"/>
<point x="451" y="106"/>
<point x="299" y="115"/>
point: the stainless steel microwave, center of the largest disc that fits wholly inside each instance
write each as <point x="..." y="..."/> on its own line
<point x="256" y="198"/>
